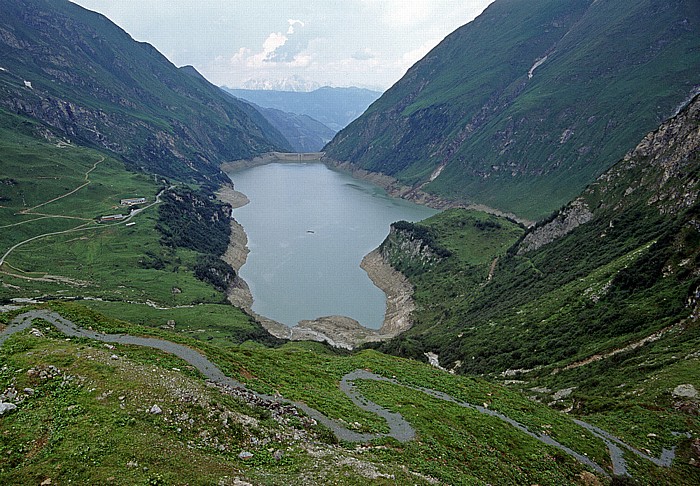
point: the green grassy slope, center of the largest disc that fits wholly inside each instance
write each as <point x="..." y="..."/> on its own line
<point x="625" y="273"/>
<point x="85" y="416"/>
<point x="528" y="145"/>
<point x="101" y="397"/>
<point x="92" y="81"/>
<point x="604" y="310"/>
<point x="108" y="261"/>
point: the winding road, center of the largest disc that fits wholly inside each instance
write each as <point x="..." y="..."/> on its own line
<point x="399" y="428"/>
<point x="82" y="227"/>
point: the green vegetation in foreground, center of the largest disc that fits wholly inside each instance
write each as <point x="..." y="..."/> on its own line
<point x="600" y="319"/>
<point x="530" y="315"/>
<point x="90" y="419"/>
<point x="218" y="324"/>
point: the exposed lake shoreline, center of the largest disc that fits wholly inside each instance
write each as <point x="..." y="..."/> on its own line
<point x="391" y="185"/>
<point x="339" y="331"/>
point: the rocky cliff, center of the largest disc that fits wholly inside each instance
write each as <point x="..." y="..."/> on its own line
<point x="659" y="170"/>
<point x="410" y="247"/>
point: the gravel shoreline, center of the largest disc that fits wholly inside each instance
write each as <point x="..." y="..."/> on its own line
<point x="338" y="331"/>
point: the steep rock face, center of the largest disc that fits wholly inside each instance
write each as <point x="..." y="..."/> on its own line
<point x="665" y="163"/>
<point x="77" y="72"/>
<point x="566" y="220"/>
<point x="411" y="248"/>
<point x="531" y="101"/>
<point x="404" y="243"/>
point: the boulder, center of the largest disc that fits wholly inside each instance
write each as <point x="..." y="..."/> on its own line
<point x="7" y="407"/>
<point x="685" y="391"/>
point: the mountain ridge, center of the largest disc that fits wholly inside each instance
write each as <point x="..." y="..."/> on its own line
<point x="632" y="235"/>
<point x="334" y="107"/>
<point x="303" y="133"/>
<point x="81" y="74"/>
<point x="535" y="100"/>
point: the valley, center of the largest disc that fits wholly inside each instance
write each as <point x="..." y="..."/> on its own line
<point x="197" y="289"/>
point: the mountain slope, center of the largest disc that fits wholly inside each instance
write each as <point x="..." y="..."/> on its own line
<point x="76" y="71"/>
<point x="86" y="399"/>
<point x="303" y="133"/>
<point x="524" y="106"/>
<point x="617" y="264"/>
<point x="334" y="107"/>
<point x="594" y="311"/>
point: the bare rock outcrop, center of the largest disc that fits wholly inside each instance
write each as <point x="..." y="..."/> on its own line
<point x="568" y="219"/>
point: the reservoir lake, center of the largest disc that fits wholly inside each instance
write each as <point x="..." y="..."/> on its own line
<point x="308" y="229"/>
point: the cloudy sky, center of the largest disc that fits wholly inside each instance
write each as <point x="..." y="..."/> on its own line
<point x="369" y="43"/>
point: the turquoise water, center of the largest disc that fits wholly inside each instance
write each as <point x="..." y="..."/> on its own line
<point x="308" y="229"/>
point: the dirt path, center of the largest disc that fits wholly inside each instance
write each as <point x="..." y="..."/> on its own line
<point x="30" y="211"/>
<point x="492" y="270"/>
<point x="649" y="339"/>
<point x="83" y="227"/>
<point x="399" y="428"/>
<point x="87" y="182"/>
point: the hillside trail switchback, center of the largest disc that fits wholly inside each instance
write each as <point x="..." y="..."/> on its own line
<point x="399" y="428"/>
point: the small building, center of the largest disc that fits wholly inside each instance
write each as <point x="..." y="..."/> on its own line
<point x="132" y="201"/>
<point x="113" y="217"/>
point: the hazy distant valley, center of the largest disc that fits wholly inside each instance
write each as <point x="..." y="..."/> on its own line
<point x="309" y="119"/>
<point x="541" y="327"/>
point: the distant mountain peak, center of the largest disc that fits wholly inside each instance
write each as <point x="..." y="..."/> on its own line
<point x="294" y="83"/>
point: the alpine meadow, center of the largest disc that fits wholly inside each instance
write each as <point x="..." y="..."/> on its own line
<point x="542" y="327"/>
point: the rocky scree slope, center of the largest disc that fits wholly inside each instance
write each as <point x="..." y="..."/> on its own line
<point x="523" y="107"/>
<point x="77" y="72"/>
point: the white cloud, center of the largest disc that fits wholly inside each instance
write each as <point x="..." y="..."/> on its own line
<point x="343" y="42"/>
<point x="292" y="23"/>
<point x="402" y="13"/>
<point x="273" y="42"/>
